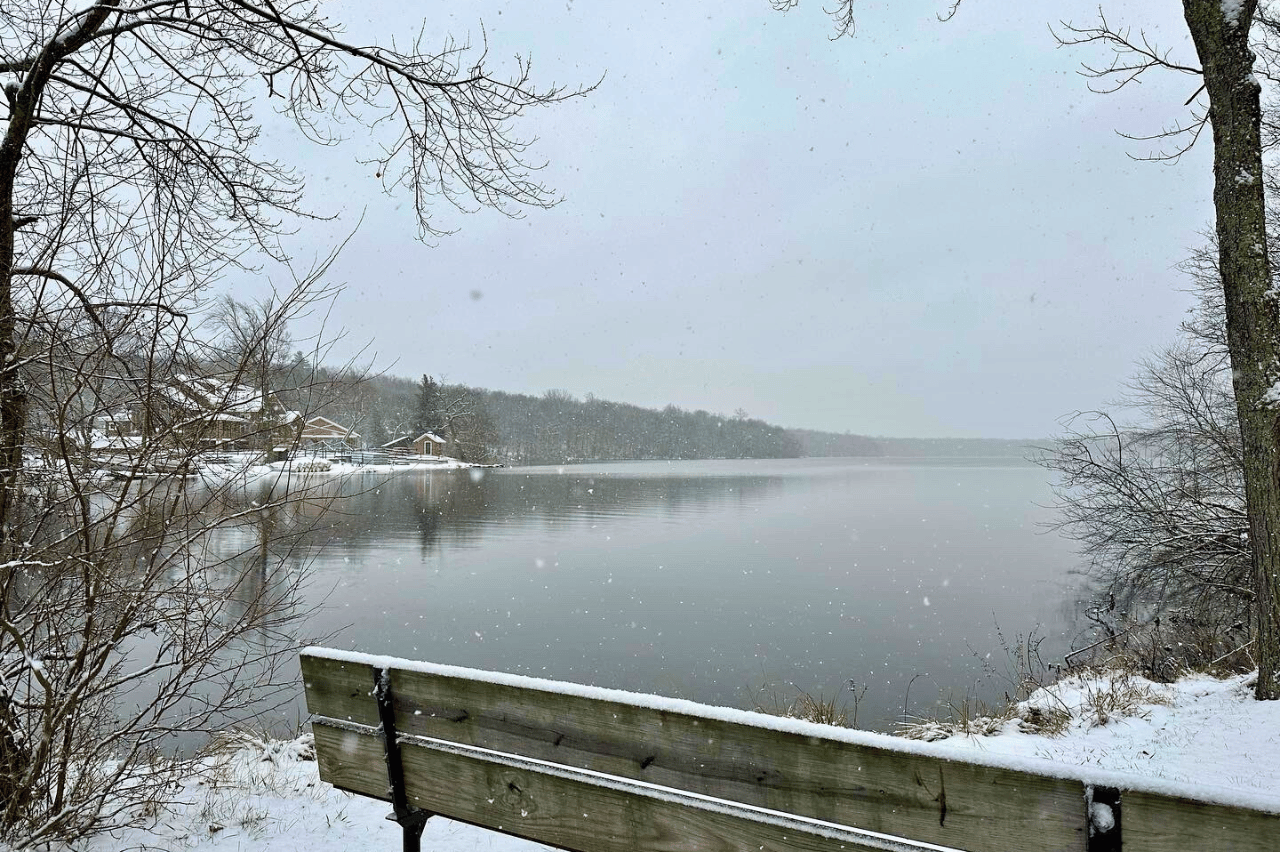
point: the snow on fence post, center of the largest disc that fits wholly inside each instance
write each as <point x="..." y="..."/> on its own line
<point x="1103" y="813"/>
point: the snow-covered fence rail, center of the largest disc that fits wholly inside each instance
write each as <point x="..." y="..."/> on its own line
<point x="597" y="770"/>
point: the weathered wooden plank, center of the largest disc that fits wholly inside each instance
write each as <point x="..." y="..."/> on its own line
<point x="1154" y="823"/>
<point x="575" y="812"/>
<point x="351" y="761"/>
<point x="951" y="803"/>
<point x="343" y="690"/>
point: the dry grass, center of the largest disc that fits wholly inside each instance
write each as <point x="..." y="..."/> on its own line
<point x="1043" y="700"/>
<point x="964" y="717"/>
<point x="1093" y="698"/>
<point x="805" y="706"/>
<point x="820" y="710"/>
<point x="1050" y="721"/>
<point x="1116" y="694"/>
<point x="932" y="730"/>
<point x="238" y="769"/>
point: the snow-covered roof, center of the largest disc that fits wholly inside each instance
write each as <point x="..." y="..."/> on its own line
<point x="99" y="441"/>
<point x="430" y="436"/>
<point x="210" y="392"/>
<point x="319" y="421"/>
<point x="322" y="427"/>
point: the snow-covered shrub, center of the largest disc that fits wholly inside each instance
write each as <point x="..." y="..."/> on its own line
<point x="932" y="730"/>
<point x="1092" y="699"/>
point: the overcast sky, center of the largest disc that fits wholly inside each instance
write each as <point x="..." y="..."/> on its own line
<point x="926" y="230"/>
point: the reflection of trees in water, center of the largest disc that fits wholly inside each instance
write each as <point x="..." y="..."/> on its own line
<point x="462" y="507"/>
<point x="199" y="541"/>
<point x="594" y="497"/>
<point x="139" y="616"/>
<point x="227" y="557"/>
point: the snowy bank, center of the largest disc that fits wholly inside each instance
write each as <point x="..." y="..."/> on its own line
<point x="253" y="474"/>
<point x="1199" y="731"/>
<point x="256" y="795"/>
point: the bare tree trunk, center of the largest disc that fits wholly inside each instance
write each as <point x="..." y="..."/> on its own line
<point x="1253" y="326"/>
<point x="12" y="419"/>
<point x="14" y="758"/>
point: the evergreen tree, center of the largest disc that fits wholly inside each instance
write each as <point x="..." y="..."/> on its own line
<point x="377" y="428"/>
<point x="426" y="415"/>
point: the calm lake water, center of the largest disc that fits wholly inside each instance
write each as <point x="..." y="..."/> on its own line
<point x="726" y="582"/>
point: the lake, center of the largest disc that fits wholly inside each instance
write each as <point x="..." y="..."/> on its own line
<point x="725" y="582"/>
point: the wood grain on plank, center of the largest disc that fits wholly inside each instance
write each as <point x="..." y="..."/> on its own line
<point x="952" y="803"/>
<point x="574" y="813"/>
<point x="351" y="761"/>
<point x="1153" y="823"/>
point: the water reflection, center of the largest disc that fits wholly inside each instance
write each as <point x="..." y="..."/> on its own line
<point x="467" y="507"/>
<point x="218" y="610"/>
<point x="709" y="580"/>
<point x="717" y="581"/>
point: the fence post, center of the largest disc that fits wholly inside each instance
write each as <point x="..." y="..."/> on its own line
<point x="1102" y="814"/>
<point x="412" y="820"/>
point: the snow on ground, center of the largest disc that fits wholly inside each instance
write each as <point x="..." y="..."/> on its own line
<point x="257" y="796"/>
<point x="267" y="797"/>
<point x="250" y="474"/>
<point x="346" y="469"/>
<point x="1199" y="730"/>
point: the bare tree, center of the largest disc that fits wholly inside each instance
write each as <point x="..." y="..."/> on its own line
<point x="1221" y="32"/>
<point x="251" y="337"/>
<point x="139" y="606"/>
<point x="125" y="118"/>
<point x="466" y="423"/>
<point x="133" y="607"/>
<point x="1157" y="500"/>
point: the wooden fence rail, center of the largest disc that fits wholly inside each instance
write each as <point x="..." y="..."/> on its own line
<point x="605" y="771"/>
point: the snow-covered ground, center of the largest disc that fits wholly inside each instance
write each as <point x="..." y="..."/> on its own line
<point x="267" y="797"/>
<point x="1207" y="732"/>
<point x="248" y="474"/>
<point x="1199" y="730"/>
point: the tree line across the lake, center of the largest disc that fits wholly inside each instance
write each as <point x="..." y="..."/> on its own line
<point x="557" y="427"/>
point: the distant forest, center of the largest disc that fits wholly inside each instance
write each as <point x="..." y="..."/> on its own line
<point x="556" y="428"/>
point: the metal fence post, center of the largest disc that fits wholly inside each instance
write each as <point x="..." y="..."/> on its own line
<point x="412" y="820"/>
<point x="1102" y="815"/>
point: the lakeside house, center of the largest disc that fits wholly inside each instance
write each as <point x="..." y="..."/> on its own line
<point x="426" y="444"/>
<point x="220" y="413"/>
<point x="207" y="412"/>
<point x="321" y="433"/>
<point x="398" y="446"/>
